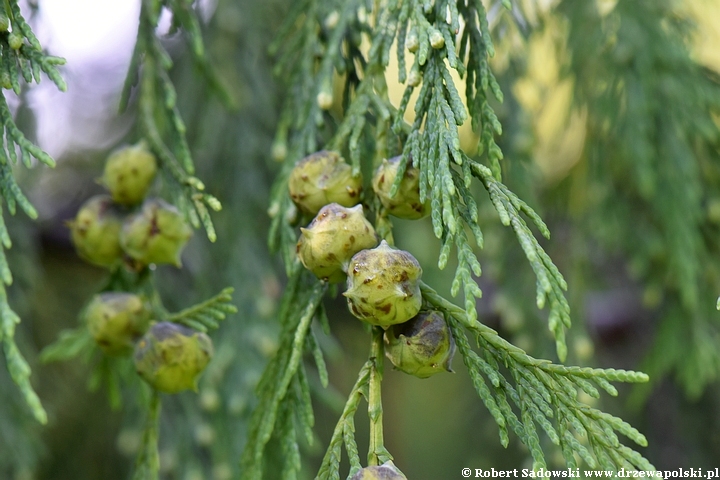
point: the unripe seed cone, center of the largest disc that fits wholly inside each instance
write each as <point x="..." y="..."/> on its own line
<point x="323" y="178"/>
<point x="412" y="42"/>
<point x="406" y="202"/>
<point x="129" y="172"/>
<point x="171" y="357"/>
<point x="332" y="238"/>
<point x="414" y="77"/>
<point x="436" y="39"/>
<point x="95" y="232"/>
<point x="15" y="40"/>
<point x="422" y="346"/>
<point x="383" y="285"/>
<point x="386" y="471"/>
<point x="156" y="234"/>
<point x="116" y="320"/>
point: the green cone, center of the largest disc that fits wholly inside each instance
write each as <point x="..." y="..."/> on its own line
<point x="386" y="471"/>
<point x="95" y="231"/>
<point x="422" y="346"/>
<point x="116" y="320"/>
<point x="171" y="357"/>
<point x="157" y="234"/>
<point x="332" y="238"/>
<point x="129" y="172"/>
<point x="323" y="178"/>
<point x="406" y="202"/>
<point x="383" y="285"/>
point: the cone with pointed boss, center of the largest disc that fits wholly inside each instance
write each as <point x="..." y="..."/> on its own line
<point x="422" y="346"/>
<point x="406" y="201"/>
<point x="171" y="357"/>
<point x="332" y="238"/>
<point x="156" y="234"/>
<point x="386" y="471"/>
<point x="95" y="231"/>
<point x="323" y="178"/>
<point x="383" y="285"/>
<point x="129" y="173"/>
<point x="116" y="320"/>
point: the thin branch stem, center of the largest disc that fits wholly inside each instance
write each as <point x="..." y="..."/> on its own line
<point x="345" y="429"/>
<point x="147" y="465"/>
<point x="377" y="453"/>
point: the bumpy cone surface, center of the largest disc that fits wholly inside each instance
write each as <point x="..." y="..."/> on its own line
<point x="95" y="232"/>
<point x="332" y="238"/>
<point x="129" y="172"/>
<point x="116" y="320"/>
<point x="386" y="471"/>
<point x="422" y="346"/>
<point x="406" y="202"/>
<point x="323" y="178"/>
<point x="156" y="234"/>
<point x="171" y="357"/>
<point x="383" y="285"/>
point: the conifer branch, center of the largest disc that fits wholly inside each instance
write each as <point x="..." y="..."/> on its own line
<point x="206" y="315"/>
<point x="302" y="119"/>
<point x="344" y="432"/>
<point x="527" y="393"/>
<point x="16" y="364"/>
<point x="650" y="134"/>
<point x="161" y="123"/>
<point x="545" y="394"/>
<point x="21" y="61"/>
<point x="433" y="144"/>
<point x="71" y="343"/>
<point x="203" y="316"/>
<point x="274" y="389"/>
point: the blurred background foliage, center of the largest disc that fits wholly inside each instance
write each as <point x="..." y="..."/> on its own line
<point x="611" y="133"/>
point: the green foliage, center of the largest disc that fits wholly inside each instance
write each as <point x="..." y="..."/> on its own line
<point x="651" y="140"/>
<point x="543" y="392"/>
<point x="159" y="118"/>
<point x="21" y="60"/>
<point x="205" y="316"/>
<point x="165" y="133"/>
<point x="434" y="142"/>
<point x="20" y="431"/>
<point x="321" y="38"/>
<point x="650" y="173"/>
<point x="238" y="356"/>
<point x="344" y="432"/>
<point x="283" y="388"/>
<point x="70" y="344"/>
<point x="117" y="374"/>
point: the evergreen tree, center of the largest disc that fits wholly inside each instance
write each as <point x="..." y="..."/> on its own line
<point x="407" y="118"/>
